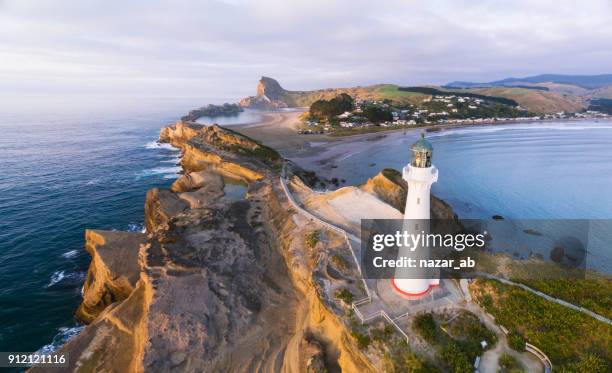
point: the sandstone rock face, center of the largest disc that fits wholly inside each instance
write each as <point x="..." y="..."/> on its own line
<point x="219" y="150"/>
<point x="214" y="285"/>
<point x="270" y="88"/>
<point x="391" y="188"/>
<point x="115" y="340"/>
<point x="270" y="95"/>
<point x="113" y="272"/>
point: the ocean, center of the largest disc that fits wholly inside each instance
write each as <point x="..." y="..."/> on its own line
<point x="61" y="172"/>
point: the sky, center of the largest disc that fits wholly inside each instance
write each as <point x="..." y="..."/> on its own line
<point x="218" y="49"/>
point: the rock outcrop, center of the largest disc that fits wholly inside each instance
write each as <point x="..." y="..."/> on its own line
<point x="389" y="186"/>
<point x="114" y="270"/>
<point x="214" y="285"/>
<point x="270" y="95"/>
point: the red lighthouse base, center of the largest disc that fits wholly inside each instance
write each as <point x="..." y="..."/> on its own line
<point x="411" y="294"/>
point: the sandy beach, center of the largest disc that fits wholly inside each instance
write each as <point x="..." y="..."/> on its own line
<point x="279" y="131"/>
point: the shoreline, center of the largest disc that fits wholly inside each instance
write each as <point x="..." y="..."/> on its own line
<point x="279" y="131"/>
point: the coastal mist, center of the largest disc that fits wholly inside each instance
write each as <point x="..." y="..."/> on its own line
<point x="60" y="173"/>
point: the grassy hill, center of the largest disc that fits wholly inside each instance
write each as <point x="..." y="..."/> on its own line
<point x="535" y="100"/>
<point x="270" y="93"/>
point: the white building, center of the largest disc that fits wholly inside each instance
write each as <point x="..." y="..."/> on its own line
<point x="420" y="174"/>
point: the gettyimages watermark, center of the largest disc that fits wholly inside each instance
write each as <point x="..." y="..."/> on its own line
<point x="521" y="249"/>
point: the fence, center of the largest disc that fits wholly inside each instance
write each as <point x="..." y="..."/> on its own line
<point x="355" y="305"/>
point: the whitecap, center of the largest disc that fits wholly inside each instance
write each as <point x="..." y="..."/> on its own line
<point x="165" y="172"/>
<point x="159" y="145"/>
<point x="136" y="227"/>
<point x="62" y="276"/>
<point x="56" y="277"/>
<point x="94" y="181"/>
<point x="70" y="254"/>
<point x="63" y="336"/>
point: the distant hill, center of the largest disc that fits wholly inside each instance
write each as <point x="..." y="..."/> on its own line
<point x="583" y="81"/>
<point x="270" y="94"/>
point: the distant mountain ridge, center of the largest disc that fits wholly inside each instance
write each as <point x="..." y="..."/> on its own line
<point x="583" y="81"/>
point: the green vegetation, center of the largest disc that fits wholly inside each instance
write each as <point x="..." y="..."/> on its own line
<point x="256" y="149"/>
<point x="516" y="341"/>
<point x="345" y="295"/>
<point x="588" y="363"/>
<point x="468" y="329"/>
<point x="363" y="340"/>
<point x="398" y="358"/>
<point x="564" y="335"/>
<point x="434" y="91"/>
<point x="327" y="109"/>
<point x="456" y="359"/>
<point x="339" y="261"/>
<point x="425" y="325"/>
<point x="458" y="341"/>
<point x="407" y="361"/>
<point x="377" y="114"/>
<point x="313" y="238"/>
<point x="509" y="364"/>
<point x="213" y="111"/>
<point x="465" y="110"/>
<point x="392" y="92"/>
<point x="592" y="294"/>
<point x="603" y="105"/>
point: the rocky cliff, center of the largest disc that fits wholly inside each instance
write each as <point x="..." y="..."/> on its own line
<point x="391" y="188"/>
<point x="218" y="283"/>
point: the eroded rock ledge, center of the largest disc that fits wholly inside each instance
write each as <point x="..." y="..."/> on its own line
<point x="215" y="284"/>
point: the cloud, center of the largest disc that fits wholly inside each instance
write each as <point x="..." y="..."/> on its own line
<point x="219" y="48"/>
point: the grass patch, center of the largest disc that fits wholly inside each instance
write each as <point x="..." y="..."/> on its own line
<point x="363" y="340"/>
<point x="339" y="261"/>
<point x="509" y="364"/>
<point x="345" y="295"/>
<point x="565" y="335"/>
<point x="592" y="294"/>
<point x="313" y="238"/>
<point x="457" y="342"/>
<point x="425" y="325"/>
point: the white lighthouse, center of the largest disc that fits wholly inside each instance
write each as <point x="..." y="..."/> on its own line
<point x="420" y="174"/>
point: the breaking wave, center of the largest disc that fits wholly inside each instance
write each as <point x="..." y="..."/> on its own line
<point x="61" y="338"/>
<point x="159" y="145"/>
<point x="62" y="276"/>
<point x="70" y="254"/>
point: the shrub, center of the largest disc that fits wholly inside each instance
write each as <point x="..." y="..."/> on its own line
<point x="425" y="325"/>
<point x="455" y="358"/>
<point x="516" y="341"/>
<point x="509" y="364"/>
<point x="363" y="341"/>
<point x="345" y="295"/>
<point x="340" y="262"/>
<point x="312" y="239"/>
<point x="588" y="363"/>
<point x="327" y="109"/>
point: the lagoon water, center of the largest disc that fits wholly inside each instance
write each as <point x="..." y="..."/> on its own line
<point x="60" y="174"/>
<point x="531" y="171"/>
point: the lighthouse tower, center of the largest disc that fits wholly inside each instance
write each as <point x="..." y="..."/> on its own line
<point x="420" y="174"/>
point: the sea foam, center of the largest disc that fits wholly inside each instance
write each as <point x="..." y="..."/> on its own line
<point x="64" y="335"/>
<point x="158" y="145"/>
<point x="70" y="254"/>
<point x="61" y="276"/>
